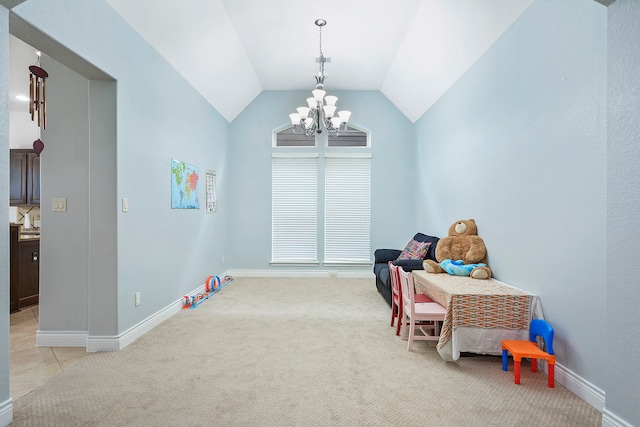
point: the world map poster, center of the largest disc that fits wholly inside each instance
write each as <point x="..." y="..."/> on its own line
<point x="184" y="185"/>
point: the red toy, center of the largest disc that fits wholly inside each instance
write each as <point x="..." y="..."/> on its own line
<point x="212" y="285"/>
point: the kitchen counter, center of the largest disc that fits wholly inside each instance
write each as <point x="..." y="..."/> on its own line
<point x="29" y="237"/>
<point x="27" y="233"/>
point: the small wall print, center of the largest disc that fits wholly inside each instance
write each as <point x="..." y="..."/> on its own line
<point x="184" y="185"/>
<point x="212" y="198"/>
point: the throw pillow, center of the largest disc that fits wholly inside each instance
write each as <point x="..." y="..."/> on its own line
<point x="415" y="250"/>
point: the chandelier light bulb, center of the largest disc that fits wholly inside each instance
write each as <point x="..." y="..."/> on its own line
<point x="312" y="102"/>
<point x="303" y="111"/>
<point x="318" y="94"/>
<point x="331" y="100"/>
<point x="308" y="122"/>
<point x="329" y="110"/>
<point x="335" y="122"/>
<point x="295" y="118"/>
<point x="344" y="115"/>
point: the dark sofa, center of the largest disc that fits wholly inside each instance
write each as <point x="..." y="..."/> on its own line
<point x="383" y="256"/>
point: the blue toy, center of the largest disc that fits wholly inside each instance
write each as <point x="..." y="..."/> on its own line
<point x="458" y="267"/>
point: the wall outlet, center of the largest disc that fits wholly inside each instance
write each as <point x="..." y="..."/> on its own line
<point x="137" y="299"/>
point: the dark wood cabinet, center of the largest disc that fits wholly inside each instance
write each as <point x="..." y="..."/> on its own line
<point x="14" y="291"/>
<point x="24" y="270"/>
<point x="24" y="178"/>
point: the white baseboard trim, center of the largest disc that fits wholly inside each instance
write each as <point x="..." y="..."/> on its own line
<point x="580" y="387"/>
<point x="611" y="420"/>
<point x="61" y="338"/>
<point x="118" y="342"/>
<point x="6" y="412"/>
<point x="351" y="274"/>
<point x="94" y="343"/>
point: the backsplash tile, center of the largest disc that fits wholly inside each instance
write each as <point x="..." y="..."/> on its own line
<point x="33" y="211"/>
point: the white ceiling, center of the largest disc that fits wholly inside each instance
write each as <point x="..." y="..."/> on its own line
<point x="231" y="50"/>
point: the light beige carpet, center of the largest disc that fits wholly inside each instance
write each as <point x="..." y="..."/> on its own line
<point x="293" y="352"/>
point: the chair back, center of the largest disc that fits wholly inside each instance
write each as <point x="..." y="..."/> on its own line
<point x="407" y="289"/>
<point x="395" y="281"/>
<point x="542" y="328"/>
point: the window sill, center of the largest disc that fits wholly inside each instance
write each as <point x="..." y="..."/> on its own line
<point x="347" y="263"/>
<point x="295" y="263"/>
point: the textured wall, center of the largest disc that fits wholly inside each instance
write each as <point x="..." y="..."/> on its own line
<point x="623" y="242"/>
<point x="519" y="144"/>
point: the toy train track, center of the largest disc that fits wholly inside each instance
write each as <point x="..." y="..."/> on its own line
<point x="212" y="286"/>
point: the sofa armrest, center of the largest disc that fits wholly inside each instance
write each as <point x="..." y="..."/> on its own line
<point x="409" y="264"/>
<point x="386" y="255"/>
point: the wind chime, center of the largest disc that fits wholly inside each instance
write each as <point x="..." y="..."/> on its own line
<point x="38" y="100"/>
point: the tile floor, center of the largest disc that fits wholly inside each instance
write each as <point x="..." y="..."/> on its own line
<point x="32" y="366"/>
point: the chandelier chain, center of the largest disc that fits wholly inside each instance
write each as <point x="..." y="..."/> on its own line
<point x="321" y="54"/>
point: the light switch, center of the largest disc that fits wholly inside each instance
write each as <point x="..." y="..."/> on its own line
<point x="125" y="204"/>
<point x="59" y="204"/>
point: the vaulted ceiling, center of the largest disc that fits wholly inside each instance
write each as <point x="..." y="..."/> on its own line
<point x="410" y="50"/>
<point x="231" y="50"/>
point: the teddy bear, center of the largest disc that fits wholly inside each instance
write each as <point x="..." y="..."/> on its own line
<point x="461" y="253"/>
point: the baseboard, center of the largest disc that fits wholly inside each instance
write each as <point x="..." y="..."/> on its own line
<point x="94" y="343"/>
<point x="115" y="343"/>
<point x="611" y="420"/>
<point x="6" y="412"/>
<point x="580" y="387"/>
<point x="351" y="274"/>
<point x="61" y="338"/>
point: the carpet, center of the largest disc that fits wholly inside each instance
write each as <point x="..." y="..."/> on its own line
<point x="293" y="352"/>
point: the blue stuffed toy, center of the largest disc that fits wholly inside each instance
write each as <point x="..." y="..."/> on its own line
<point x="458" y="267"/>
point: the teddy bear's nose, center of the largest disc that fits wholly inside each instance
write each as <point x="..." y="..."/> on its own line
<point x="461" y="227"/>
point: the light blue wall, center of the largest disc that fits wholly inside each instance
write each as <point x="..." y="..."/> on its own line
<point x="623" y="243"/>
<point x="392" y="192"/>
<point x="519" y="144"/>
<point x="162" y="253"/>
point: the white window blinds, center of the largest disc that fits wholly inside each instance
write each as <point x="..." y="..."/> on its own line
<point x="347" y="209"/>
<point x="294" y="209"/>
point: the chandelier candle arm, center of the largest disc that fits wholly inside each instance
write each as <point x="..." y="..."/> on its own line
<point x="321" y="110"/>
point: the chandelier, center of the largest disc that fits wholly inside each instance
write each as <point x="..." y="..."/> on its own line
<point x="321" y="109"/>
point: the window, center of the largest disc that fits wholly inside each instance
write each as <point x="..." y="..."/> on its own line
<point x="286" y="138"/>
<point x="347" y="209"/>
<point x="351" y="137"/>
<point x="339" y="170"/>
<point x="294" y="209"/>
